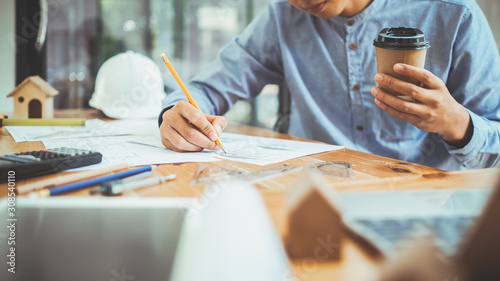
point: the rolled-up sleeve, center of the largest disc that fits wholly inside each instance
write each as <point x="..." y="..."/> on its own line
<point x="474" y="81"/>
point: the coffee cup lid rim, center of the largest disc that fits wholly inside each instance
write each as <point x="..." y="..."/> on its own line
<point x="401" y="38"/>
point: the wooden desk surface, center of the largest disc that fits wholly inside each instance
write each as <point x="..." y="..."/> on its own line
<point x="371" y="173"/>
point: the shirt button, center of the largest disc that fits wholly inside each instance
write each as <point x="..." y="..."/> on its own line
<point x="353" y="46"/>
<point x="350" y="23"/>
<point x="355" y="88"/>
<point x="359" y="128"/>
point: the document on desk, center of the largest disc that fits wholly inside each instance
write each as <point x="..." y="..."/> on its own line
<point x="259" y="150"/>
<point x="147" y="149"/>
<point x="263" y="151"/>
<point x="92" y="128"/>
<point x="133" y="149"/>
<point x="37" y="133"/>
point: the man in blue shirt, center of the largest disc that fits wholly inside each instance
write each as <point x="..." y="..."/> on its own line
<point x="323" y="50"/>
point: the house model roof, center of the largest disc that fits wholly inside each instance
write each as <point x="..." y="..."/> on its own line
<point x="310" y="185"/>
<point x="40" y="83"/>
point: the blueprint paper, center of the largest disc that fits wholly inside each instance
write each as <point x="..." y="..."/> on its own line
<point x="263" y="151"/>
<point x="92" y="128"/>
<point x="148" y="149"/>
<point x="128" y="149"/>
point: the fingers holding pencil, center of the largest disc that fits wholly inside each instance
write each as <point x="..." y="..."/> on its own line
<point x="219" y="123"/>
<point x="185" y="128"/>
<point x="199" y="120"/>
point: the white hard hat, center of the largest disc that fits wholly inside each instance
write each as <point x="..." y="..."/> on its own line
<point x="128" y="85"/>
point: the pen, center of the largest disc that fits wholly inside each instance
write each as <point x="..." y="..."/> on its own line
<point x="58" y="190"/>
<point x="68" y="178"/>
<point x="113" y="188"/>
<point x="186" y="92"/>
<point x="137" y="177"/>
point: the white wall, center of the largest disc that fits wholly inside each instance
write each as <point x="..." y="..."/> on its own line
<point x="7" y="54"/>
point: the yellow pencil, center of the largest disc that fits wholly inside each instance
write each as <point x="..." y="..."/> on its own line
<point x="186" y="92"/>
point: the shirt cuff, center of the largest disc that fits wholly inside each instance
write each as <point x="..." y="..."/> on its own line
<point x="469" y="151"/>
<point x="160" y="118"/>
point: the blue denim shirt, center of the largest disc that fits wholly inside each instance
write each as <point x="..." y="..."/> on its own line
<point x="330" y="79"/>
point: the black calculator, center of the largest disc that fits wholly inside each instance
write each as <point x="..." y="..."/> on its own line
<point x="36" y="163"/>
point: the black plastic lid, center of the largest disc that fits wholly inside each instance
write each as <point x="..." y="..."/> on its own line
<point x="401" y="38"/>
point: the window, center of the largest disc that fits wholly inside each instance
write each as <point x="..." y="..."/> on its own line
<point x="82" y="35"/>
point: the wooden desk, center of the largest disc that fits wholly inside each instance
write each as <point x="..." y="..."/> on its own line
<point x="371" y="173"/>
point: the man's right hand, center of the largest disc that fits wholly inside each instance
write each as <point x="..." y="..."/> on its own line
<point x="185" y="128"/>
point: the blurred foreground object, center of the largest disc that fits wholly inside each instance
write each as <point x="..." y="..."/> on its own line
<point x="479" y="258"/>
<point x="476" y="259"/>
<point x="230" y="236"/>
<point x="422" y="262"/>
<point x="314" y="222"/>
<point x="224" y="235"/>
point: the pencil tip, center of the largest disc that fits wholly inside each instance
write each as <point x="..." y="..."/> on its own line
<point x="222" y="148"/>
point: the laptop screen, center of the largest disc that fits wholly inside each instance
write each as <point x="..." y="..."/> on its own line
<point x="93" y="240"/>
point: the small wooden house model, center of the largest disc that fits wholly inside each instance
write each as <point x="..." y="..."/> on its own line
<point x="33" y="98"/>
<point x="314" y="227"/>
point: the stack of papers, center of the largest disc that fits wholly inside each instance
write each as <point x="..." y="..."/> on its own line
<point x="92" y="128"/>
<point x="138" y="142"/>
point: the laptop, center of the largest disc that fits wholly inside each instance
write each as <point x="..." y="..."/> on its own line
<point x="386" y="221"/>
<point x="72" y="238"/>
<point x="124" y="239"/>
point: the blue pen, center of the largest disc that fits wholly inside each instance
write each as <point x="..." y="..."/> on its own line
<point x="90" y="182"/>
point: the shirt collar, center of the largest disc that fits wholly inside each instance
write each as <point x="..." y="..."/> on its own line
<point x="363" y="15"/>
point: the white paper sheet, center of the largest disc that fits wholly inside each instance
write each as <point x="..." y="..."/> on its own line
<point x="148" y="149"/>
<point x="256" y="150"/>
<point x="92" y="128"/>
<point x="37" y="133"/>
<point x="263" y="151"/>
<point x="136" y="150"/>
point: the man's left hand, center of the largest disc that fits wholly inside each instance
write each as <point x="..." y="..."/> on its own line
<point x="434" y="109"/>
